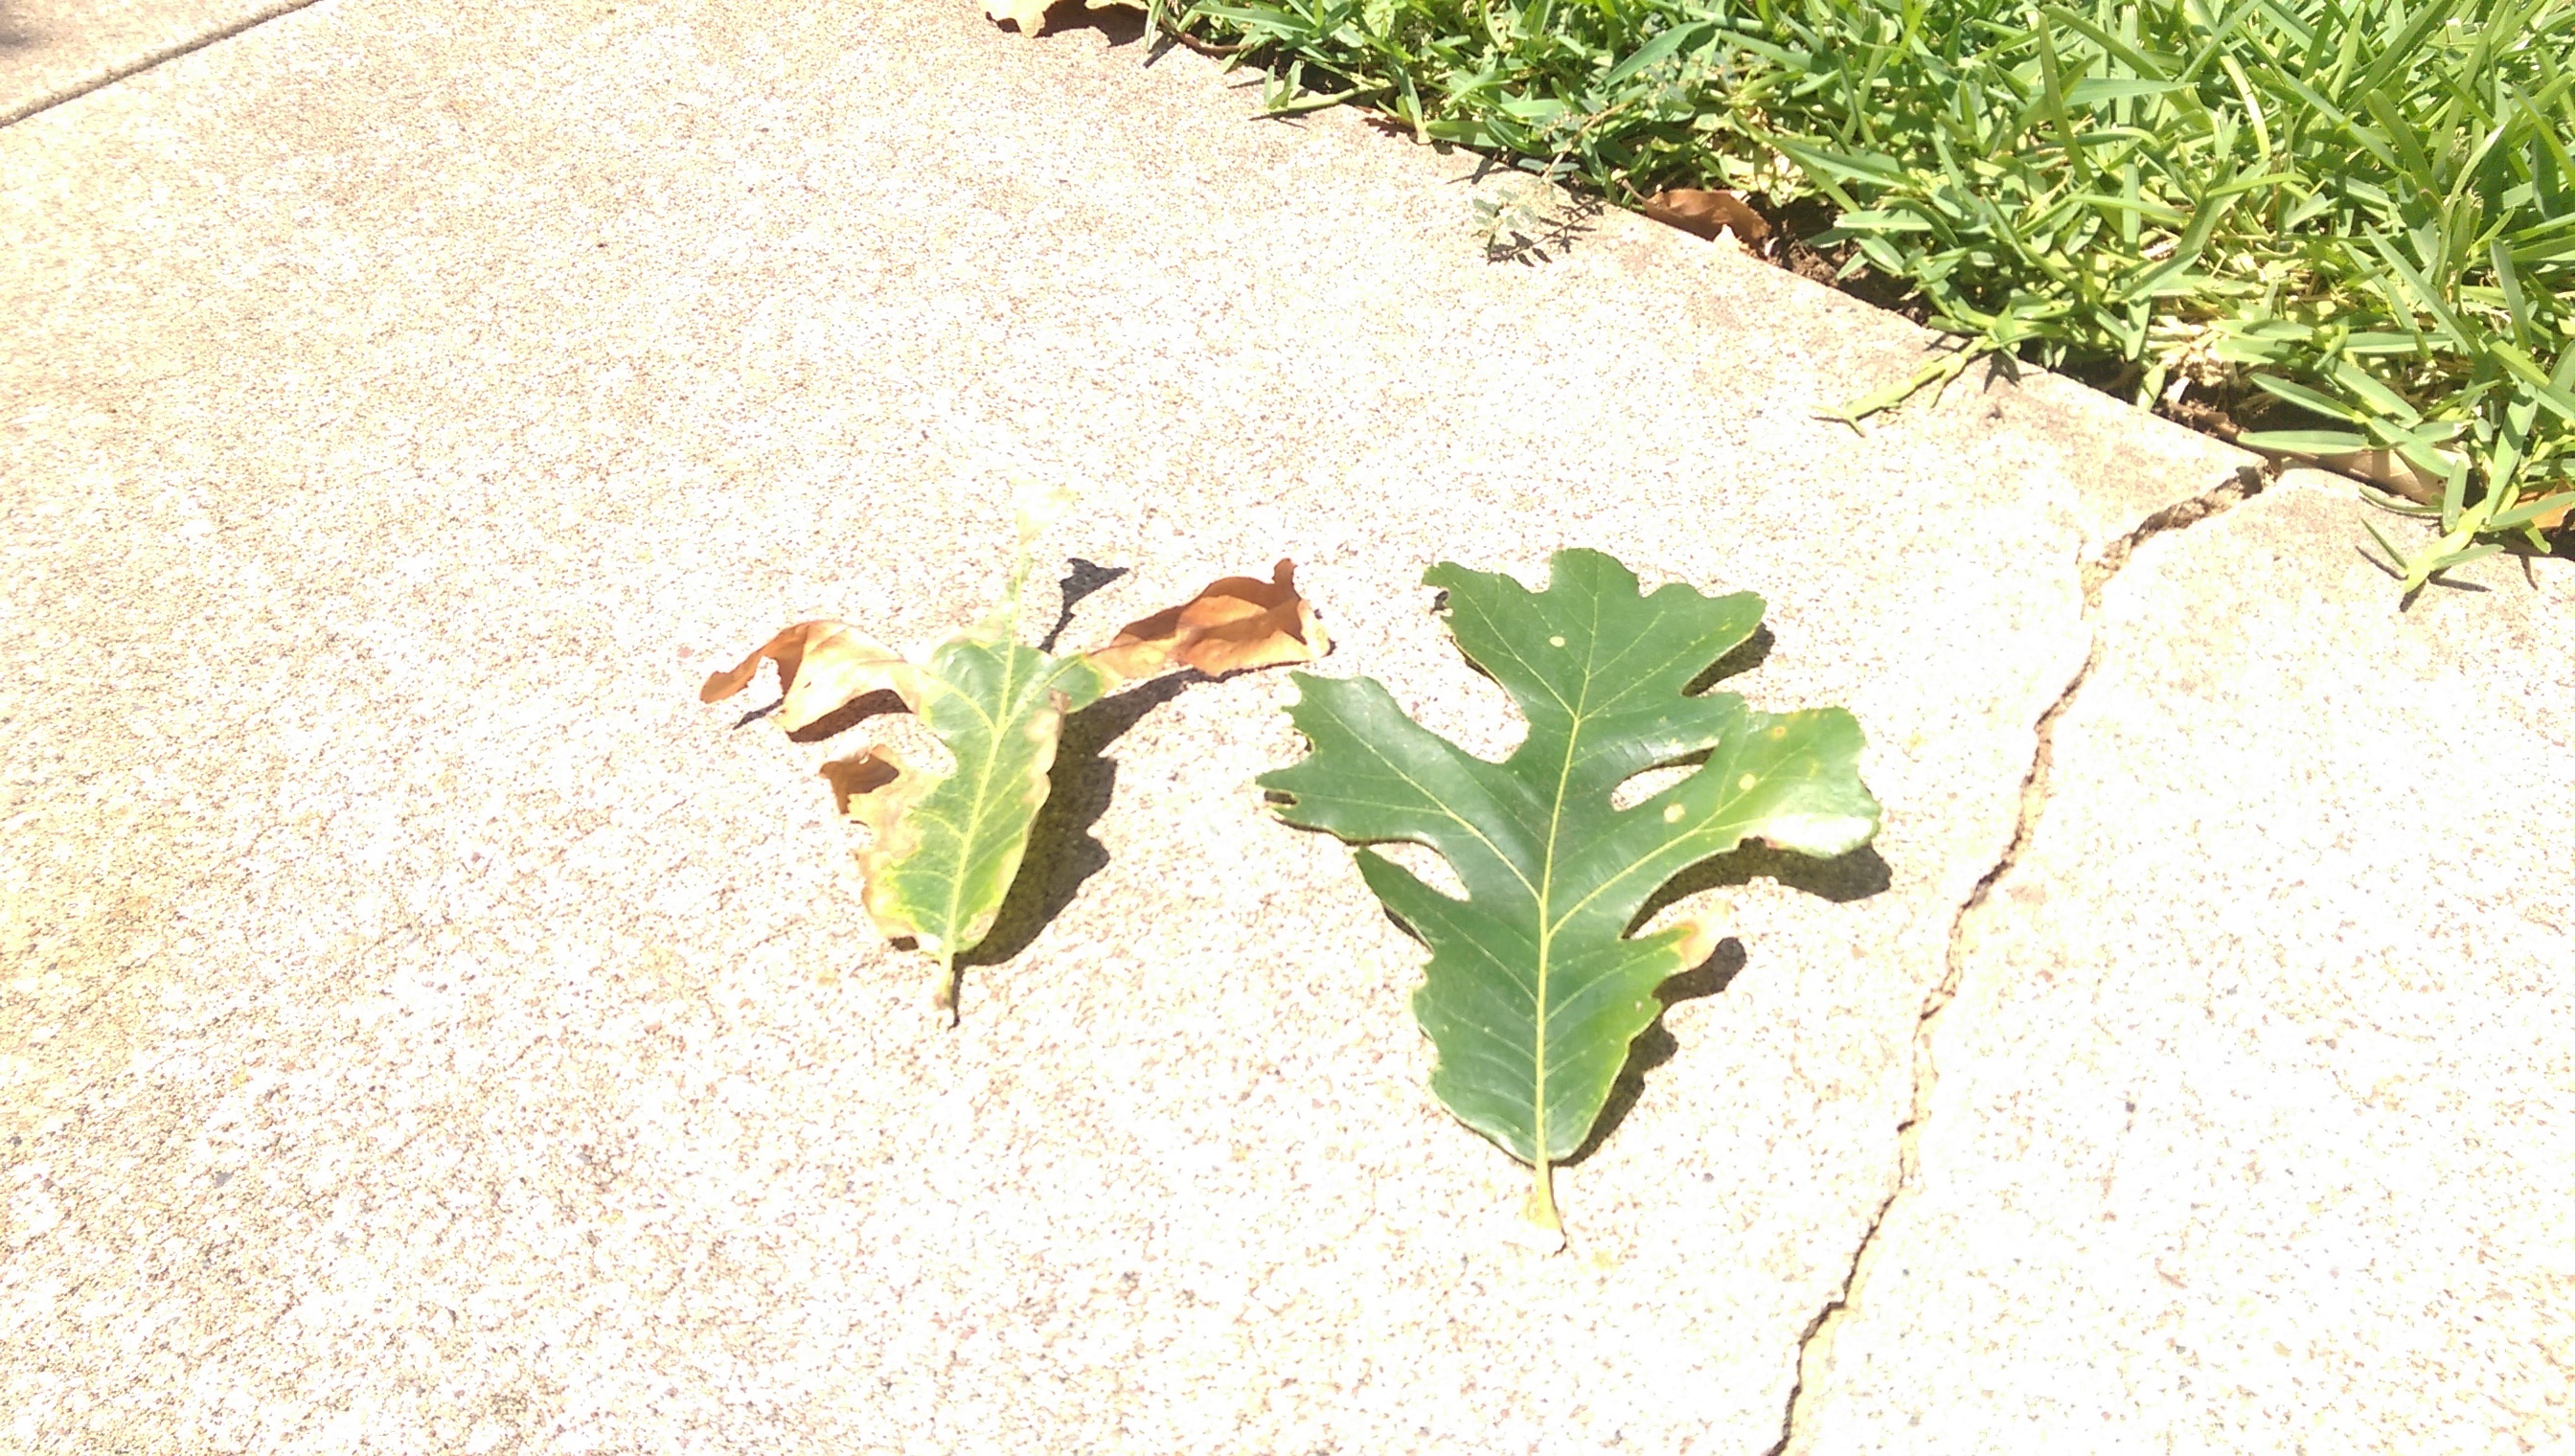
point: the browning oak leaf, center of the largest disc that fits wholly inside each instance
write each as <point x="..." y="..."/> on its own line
<point x="1534" y="988"/>
<point x="943" y="849"/>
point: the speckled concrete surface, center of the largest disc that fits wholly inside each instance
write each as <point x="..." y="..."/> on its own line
<point x="2255" y="1122"/>
<point x="428" y="1028"/>
<point x="51" y="50"/>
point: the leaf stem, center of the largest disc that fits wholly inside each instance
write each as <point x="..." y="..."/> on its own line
<point x="944" y="998"/>
<point x="1541" y="1199"/>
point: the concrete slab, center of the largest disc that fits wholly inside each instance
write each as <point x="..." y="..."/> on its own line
<point x="2255" y="1129"/>
<point x="429" y="1026"/>
<point x="51" y="50"/>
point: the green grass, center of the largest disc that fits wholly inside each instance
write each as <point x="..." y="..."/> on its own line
<point x="2357" y="213"/>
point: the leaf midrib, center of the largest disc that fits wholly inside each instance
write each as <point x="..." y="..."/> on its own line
<point x="983" y="787"/>
<point x="1591" y="673"/>
<point x="1576" y="713"/>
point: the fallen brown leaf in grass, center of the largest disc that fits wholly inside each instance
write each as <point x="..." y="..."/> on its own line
<point x="2390" y="471"/>
<point x="1708" y="213"/>
<point x="1237" y="623"/>
<point x="821" y="667"/>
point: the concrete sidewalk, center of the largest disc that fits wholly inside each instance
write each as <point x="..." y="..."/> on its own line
<point x="52" y="51"/>
<point x="428" y="1028"/>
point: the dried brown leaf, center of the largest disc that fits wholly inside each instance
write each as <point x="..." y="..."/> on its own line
<point x="2391" y="472"/>
<point x="1237" y="623"/>
<point x="1708" y="213"/>
<point x="821" y="667"/>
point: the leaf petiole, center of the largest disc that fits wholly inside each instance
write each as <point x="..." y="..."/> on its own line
<point x="1540" y="1208"/>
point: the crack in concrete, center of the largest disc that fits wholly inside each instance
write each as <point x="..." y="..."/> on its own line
<point x="1815" y="1344"/>
<point x="146" y="62"/>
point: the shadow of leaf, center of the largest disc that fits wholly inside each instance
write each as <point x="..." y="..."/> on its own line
<point x="845" y="717"/>
<point x="1655" y="1045"/>
<point x="1746" y="654"/>
<point x="1841" y="879"/>
<point x="1084" y="579"/>
<point x="1062" y="851"/>
<point x="1852" y="877"/>
<point x="1117" y="24"/>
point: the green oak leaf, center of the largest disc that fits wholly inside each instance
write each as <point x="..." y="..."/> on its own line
<point x="1534" y="988"/>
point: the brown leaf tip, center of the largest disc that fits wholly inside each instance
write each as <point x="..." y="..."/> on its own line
<point x="1695" y="942"/>
<point x="822" y="666"/>
<point x="787" y="650"/>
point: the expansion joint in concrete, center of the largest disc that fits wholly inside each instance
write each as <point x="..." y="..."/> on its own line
<point x="1815" y="1347"/>
<point x="146" y="62"/>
